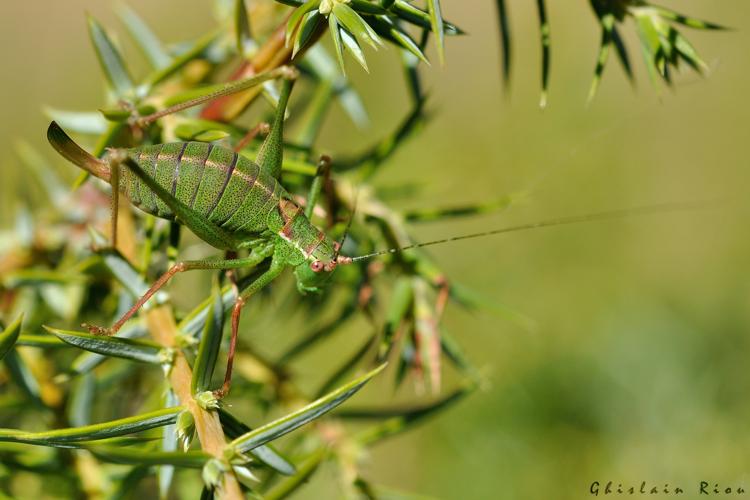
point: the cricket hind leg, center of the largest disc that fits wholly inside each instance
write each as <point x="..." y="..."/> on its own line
<point x="283" y="72"/>
<point x="277" y="266"/>
<point x="188" y="265"/>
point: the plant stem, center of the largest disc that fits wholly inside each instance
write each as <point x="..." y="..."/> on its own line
<point x="163" y="329"/>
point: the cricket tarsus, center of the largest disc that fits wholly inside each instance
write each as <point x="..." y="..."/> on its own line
<point x="98" y="330"/>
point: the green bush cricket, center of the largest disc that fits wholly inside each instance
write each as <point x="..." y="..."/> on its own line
<point x="235" y="204"/>
<point x="227" y="200"/>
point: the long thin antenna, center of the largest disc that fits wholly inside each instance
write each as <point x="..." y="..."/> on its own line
<point x="561" y="221"/>
<point x="348" y="224"/>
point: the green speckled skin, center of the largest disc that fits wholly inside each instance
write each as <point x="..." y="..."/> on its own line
<point x="227" y="200"/>
<point x="226" y="189"/>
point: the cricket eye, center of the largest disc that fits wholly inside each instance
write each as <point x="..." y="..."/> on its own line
<point x="316" y="266"/>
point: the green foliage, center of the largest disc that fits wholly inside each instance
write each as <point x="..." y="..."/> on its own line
<point x="662" y="45"/>
<point x="66" y="275"/>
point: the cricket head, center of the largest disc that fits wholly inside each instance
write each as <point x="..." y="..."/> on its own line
<point x="313" y="274"/>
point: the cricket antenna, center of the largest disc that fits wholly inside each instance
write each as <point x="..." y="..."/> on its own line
<point x="340" y="244"/>
<point x="561" y="221"/>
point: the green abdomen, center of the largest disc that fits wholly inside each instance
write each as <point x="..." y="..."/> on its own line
<point x="219" y="184"/>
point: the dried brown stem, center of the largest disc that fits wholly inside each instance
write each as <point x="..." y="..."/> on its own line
<point x="163" y="329"/>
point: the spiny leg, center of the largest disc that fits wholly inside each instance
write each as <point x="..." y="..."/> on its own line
<point x="179" y="267"/>
<point x="264" y="279"/>
<point x="286" y="72"/>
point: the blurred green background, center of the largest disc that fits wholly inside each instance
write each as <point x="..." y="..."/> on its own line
<point x="635" y="368"/>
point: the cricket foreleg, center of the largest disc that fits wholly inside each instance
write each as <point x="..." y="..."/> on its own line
<point x="264" y="279"/>
<point x="179" y="267"/>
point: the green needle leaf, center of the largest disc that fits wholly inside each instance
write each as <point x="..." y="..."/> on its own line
<point x="196" y="131"/>
<point x="132" y="349"/>
<point x="408" y="12"/>
<point x="194" y="322"/>
<point x="87" y="361"/>
<point x="400" y="420"/>
<point x="314" y="410"/>
<point x="544" y="31"/>
<point x="43" y="341"/>
<point x="266" y="453"/>
<point x="140" y="456"/>
<point x="82" y="122"/>
<point x="21" y="376"/>
<point x="505" y="40"/>
<point x="244" y="37"/>
<point x="116" y="114"/>
<point x="399" y="305"/>
<point x="434" y="214"/>
<point x="289" y="485"/>
<point x="147" y="41"/>
<point x="367" y="7"/>
<point x="197" y="50"/>
<point x="114" y="428"/>
<point x="608" y="24"/>
<point x="436" y="21"/>
<point x="124" y="272"/>
<point x="347" y="366"/>
<point x="296" y="18"/>
<point x="352" y="45"/>
<point x="9" y="336"/>
<point x="687" y="21"/>
<point x="208" y="350"/>
<point x="391" y="32"/>
<point x="335" y="29"/>
<point x="306" y="30"/>
<point x="357" y="26"/>
<point x="622" y="53"/>
<point x="110" y="59"/>
<point x="688" y="52"/>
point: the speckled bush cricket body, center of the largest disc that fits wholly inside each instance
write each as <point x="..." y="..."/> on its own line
<point x="228" y="201"/>
<point x="235" y="204"/>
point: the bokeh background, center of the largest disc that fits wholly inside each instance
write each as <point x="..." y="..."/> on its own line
<point x="632" y="365"/>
